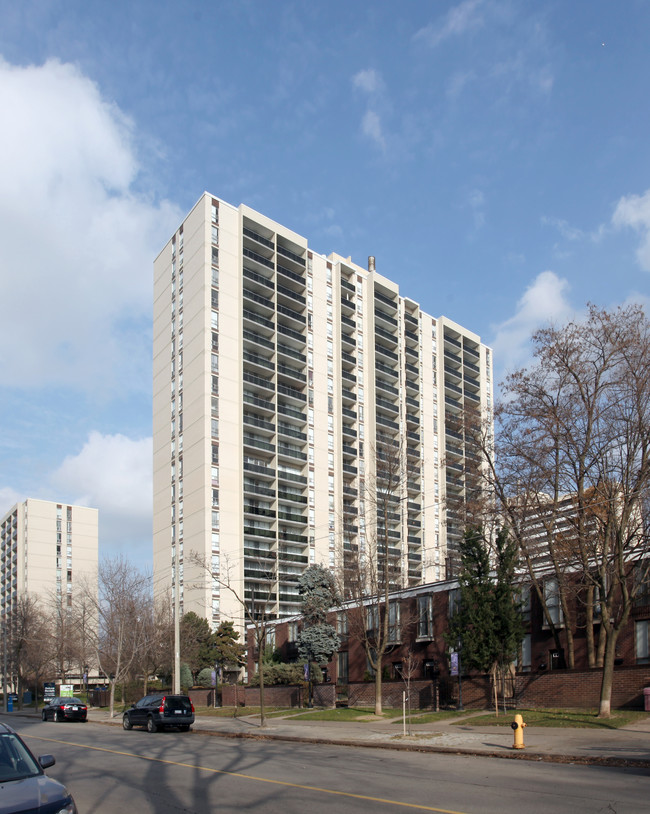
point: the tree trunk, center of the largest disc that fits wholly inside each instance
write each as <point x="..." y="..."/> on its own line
<point x="111" y="702"/>
<point x="589" y="631"/>
<point x="378" y="707"/>
<point x="605" y="707"/>
<point x="260" y="670"/>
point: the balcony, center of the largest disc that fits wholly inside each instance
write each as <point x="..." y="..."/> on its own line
<point x="263" y="404"/>
<point x="258" y="258"/>
<point x="386" y="405"/>
<point x="260" y="361"/>
<point x="291" y="275"/>
<point x="386" y="388"/>
<point x="290" y="294"/>
<point x="258" y="238"/>
<point x="266" y="384"/>
<point x="258" y="443"/>
<point x="290" y="352"/>
<point x="385" y="352"/>
<point x="390" y="337"/>
<point x="290" y="313"/>
<point x="258" y="339"/>
<point x="282" y="250"/>
<point x="379" y="314"/>
<point x="291" y="412"/>
<point x="290" y="431"/>
<point x="386" y="300"/>
<point x="258" y="319"/>
<point x="291" y="392"/>
<point x="259" y="469"/>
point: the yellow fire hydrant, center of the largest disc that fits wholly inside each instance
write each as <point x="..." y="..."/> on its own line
<point x="518" y="726"/>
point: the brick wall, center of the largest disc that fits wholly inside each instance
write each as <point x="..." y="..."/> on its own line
<point x="581" y="688"/>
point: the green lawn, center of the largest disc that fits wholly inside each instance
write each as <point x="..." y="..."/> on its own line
<point x="585" y="718"/>
<point x="562" y="718"/>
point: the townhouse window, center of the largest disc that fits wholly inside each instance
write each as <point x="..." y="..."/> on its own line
<point x="372" y="619"/>
<point x="642" y="642"/>
<point x="270" y="637"/>
<point x="394" y="627"/>
<point x="342" y="624"/>
<point x="524" y="662"/>
<point x="552" y="598"/>
<point x="425" y="617"/>
<point x="454" y="602"/>
<point x="524" y="603"/>
<point x="292" y="632"/>
<point x="342" y="667"/>
<point x="642" y="584"/>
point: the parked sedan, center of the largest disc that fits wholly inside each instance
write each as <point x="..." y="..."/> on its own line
<point x="65" y="709"/>
<point x="24" y="786"/>
<point x="158" y="711"/>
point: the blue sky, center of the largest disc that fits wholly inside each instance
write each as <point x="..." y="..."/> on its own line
<point x="493" y="155"/>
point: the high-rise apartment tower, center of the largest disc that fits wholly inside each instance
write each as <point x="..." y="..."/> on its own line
<point x="276" y="372"/>
<point x="46" y="549"/>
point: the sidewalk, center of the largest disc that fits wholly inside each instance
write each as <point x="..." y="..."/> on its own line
<point x="629" y="746"/>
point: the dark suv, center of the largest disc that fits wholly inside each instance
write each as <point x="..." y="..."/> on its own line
<point x="158" y="711"/>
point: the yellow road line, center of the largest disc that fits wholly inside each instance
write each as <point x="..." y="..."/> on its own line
<point x="250" y="777"/>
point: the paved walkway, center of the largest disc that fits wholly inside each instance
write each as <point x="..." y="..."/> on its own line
<point x="629" y="746"/>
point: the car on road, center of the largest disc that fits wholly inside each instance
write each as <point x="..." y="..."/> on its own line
<point x="159" y="711"/>
<point x="24" y="786"/>
<point x="65" y="709"/>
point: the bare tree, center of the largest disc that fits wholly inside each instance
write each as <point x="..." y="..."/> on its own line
<point x="156" y="650"/>
<point x="258" y="607"/>
<point x="372" y="567"/>
<point x="572" y="473"/>
<point x="120" y="612"/>
<point x="29" y="645"/>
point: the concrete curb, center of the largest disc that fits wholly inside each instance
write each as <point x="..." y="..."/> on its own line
<point x="539" y="757"/>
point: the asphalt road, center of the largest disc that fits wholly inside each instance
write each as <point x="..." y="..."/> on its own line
<point x="112" y="771"/>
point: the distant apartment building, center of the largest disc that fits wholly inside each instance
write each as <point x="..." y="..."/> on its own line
<point x="46" y="549"/>
<point x="276" y="373"/>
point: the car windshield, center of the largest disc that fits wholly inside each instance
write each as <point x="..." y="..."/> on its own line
<point x="72" y="701"/>
<point x="16" y="762"/>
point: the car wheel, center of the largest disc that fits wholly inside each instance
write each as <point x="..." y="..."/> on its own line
<point x="151" y="725"/>
<point x="126" y="723"/>
<point x="184" y="728"/>
<point x="57" y="717"/>
<point x="43" y="716"/>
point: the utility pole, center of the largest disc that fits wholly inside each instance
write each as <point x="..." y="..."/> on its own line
<point x="177" y="629"/>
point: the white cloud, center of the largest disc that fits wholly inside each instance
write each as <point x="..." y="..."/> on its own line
<point x="113" y="474"/>
<point x="368" y="80"/>
<point x="8" y="498"/>
<point x="543" y="302"/>
<point x="458" y="20"/>
<point x="78" y="239"/>
<point x="371" y="127"/>
<point x="633" y="211"/>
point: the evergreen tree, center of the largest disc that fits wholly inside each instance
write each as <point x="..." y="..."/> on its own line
<point x="488" y="622"/>
<point x="318" y="640"/>
<point x="225" y="648"/>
